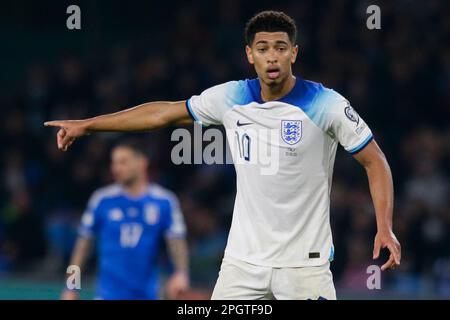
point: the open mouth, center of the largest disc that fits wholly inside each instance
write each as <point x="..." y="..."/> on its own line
<point x="273" y="73"/>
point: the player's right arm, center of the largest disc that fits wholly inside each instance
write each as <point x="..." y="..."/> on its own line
<point x="79" y="257"/>
<point x="144" y="117"/>
<point x="89" y="226"/>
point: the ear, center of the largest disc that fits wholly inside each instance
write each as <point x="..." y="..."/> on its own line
<point x="145" y="163"/>
<point x="249" y="53"/>
<point x="294" y="54"/>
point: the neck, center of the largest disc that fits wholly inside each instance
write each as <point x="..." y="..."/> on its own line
<point x="137" y="187"/>
<point x="277" y="91"/>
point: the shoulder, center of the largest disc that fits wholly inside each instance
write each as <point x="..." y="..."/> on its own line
<point x="236" y="92"/>
<point x="328" y="96"/>
<point x="159" y="192"/>
<point x="316" y="92"/>
<point x="106" y="192"/>
<point x="320" y="103"/>
<point x="317" y="98"/>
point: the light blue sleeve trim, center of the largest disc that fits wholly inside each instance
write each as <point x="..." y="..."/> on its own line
<point x="192" y="113"/>
<point x="362" y="145"/>
<point x="331" y="257"/>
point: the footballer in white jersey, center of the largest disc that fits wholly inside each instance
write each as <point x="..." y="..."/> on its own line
<point x="281" y="219"/>
<point x="280" y="244"/>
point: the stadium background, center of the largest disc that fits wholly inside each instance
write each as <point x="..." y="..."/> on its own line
<point x="398" y="78"/>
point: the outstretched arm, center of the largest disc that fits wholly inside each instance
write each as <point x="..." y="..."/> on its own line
<point x="144" y="117"/>
<point x="382" y="191"/>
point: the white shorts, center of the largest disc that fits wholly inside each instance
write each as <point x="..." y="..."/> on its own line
<point x="244" y="281"/>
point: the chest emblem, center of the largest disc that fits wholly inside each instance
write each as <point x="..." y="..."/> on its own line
<point x="291" y="131"/>
<point x="115" y="214"/>
<point x="151" y="214"/>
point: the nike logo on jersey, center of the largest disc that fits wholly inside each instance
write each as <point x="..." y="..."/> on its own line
<point x="240" y="124"/>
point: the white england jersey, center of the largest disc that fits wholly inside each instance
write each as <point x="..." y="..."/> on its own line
<point x="281" y="214"/>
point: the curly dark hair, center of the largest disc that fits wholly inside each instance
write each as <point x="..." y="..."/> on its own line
<point x="270" y="21"/>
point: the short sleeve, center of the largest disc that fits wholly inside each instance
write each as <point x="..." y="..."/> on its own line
<point x="175" y="226"/>
<point x="209" y="107"/>
<point x="347" y="127"/>
<point x="90" y="220"/>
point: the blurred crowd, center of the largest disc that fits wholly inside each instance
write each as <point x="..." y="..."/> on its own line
<point x="397" y="78"/>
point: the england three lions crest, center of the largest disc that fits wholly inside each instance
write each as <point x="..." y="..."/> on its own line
<point x="291" y="131"/>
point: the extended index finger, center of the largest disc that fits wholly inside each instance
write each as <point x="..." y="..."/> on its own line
<point x="54" y="124"/>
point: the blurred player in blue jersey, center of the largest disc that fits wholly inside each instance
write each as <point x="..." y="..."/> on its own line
<point x="280" y="243"/>
<point x="130" y="219"/>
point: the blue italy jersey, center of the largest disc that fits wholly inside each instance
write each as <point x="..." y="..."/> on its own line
<point x="129" y="232"/>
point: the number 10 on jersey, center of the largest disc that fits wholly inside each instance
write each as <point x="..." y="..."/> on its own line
<point x="244" y="143"/>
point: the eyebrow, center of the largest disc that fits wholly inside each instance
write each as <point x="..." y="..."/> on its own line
<point x="266" y="42"/>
